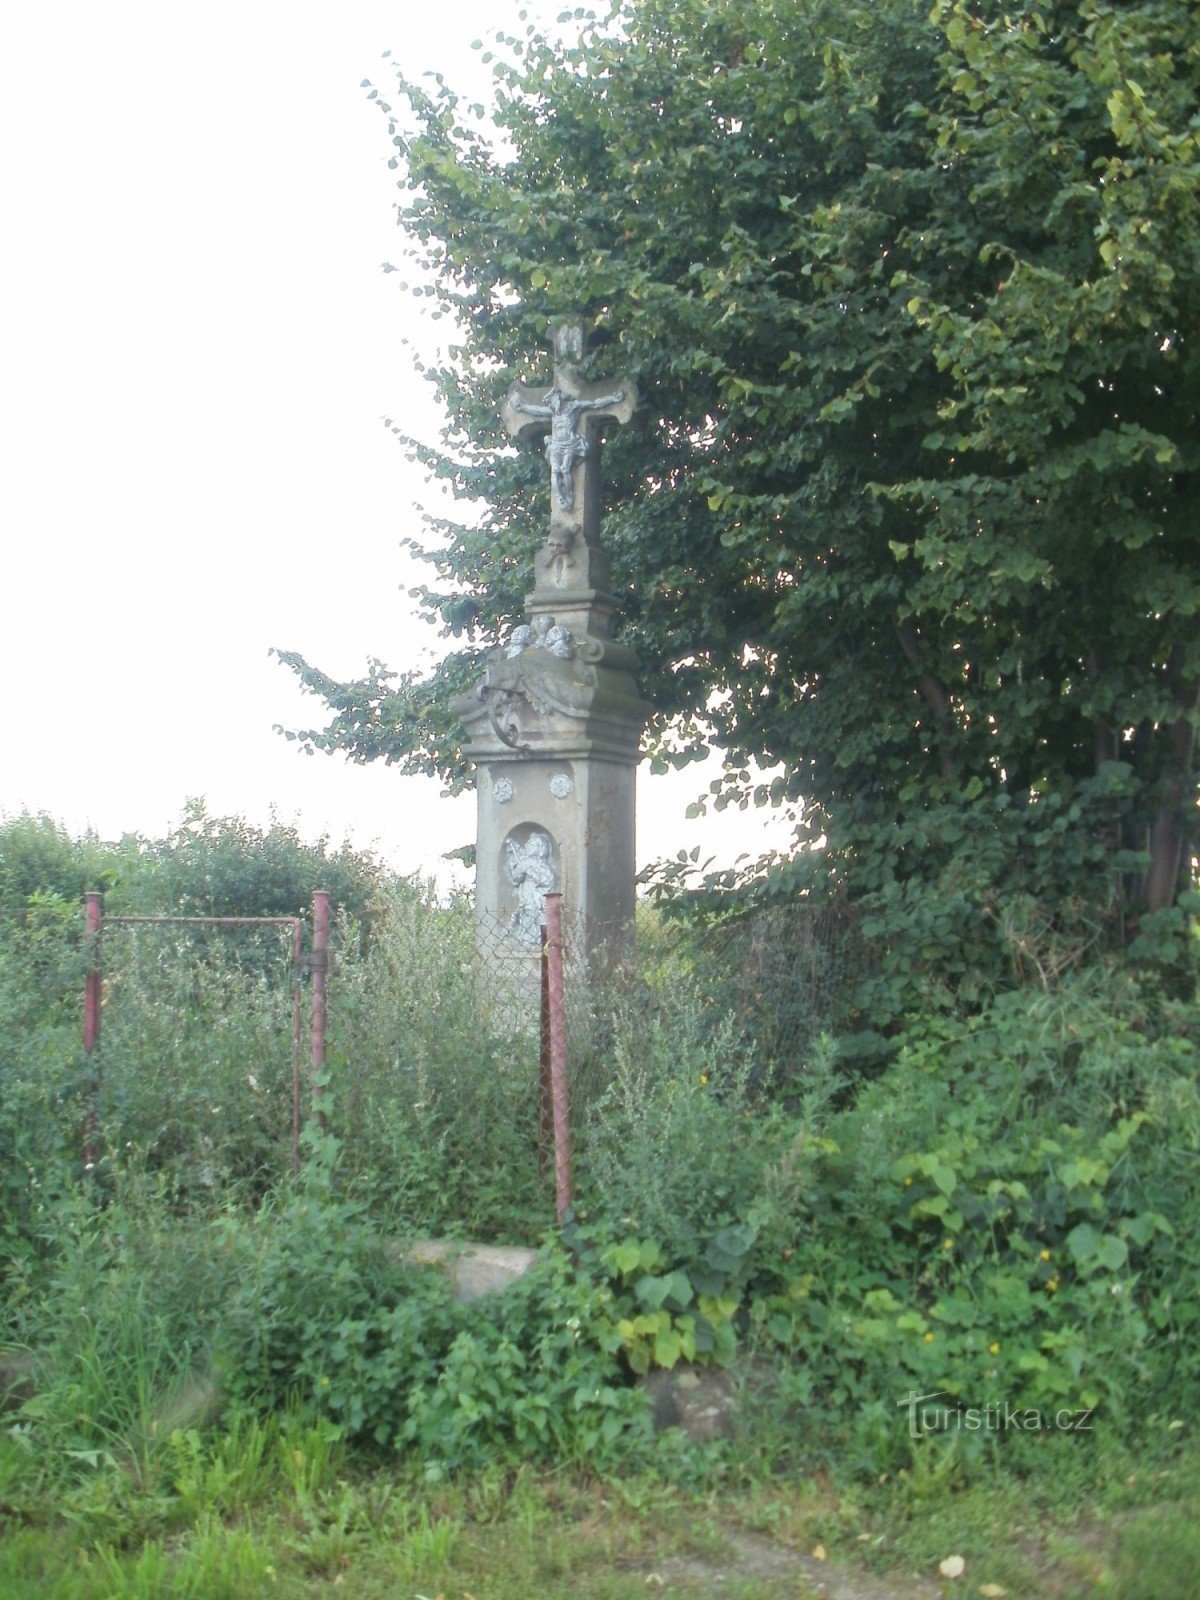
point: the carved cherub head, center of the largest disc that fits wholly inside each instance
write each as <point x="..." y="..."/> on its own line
<point x="521" y="639"/>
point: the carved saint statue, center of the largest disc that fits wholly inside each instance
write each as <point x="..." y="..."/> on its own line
<point x="531" y="873"/>
<point x="566" y="443"/>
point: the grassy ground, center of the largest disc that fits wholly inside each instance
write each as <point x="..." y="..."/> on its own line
<point x="1059" y="1130"/>
<point x="280" y="1510"/>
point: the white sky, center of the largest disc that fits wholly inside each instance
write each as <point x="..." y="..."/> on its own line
<point x="197" y="349"/>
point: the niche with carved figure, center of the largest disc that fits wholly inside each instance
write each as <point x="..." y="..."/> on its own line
<point x="529" y="871"/>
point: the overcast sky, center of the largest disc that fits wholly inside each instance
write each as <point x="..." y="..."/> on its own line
<point x="199" y="348"/>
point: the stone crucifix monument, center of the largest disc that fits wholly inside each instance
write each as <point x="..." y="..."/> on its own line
<point x="555" y="726"/>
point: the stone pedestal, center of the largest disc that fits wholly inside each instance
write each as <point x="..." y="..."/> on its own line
<point x="554" y="730"/>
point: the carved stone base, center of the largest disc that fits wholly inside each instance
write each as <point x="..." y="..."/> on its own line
<point x="554" y="730"/>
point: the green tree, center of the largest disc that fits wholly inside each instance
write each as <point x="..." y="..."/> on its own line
<point x="39" y="861"/>
<point x="226" y="866"/>
<point x="911" y="507"/>
<point x="207" y="866"/>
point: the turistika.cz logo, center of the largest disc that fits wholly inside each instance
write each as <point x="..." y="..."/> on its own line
<point x="939" y="1412"/>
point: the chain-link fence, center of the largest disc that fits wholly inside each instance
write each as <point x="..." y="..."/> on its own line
<point x="198" y="1064"/>
<point x="440" y="1035"/>
<point x="778" y="971"/>
<point x="768" y="980"/>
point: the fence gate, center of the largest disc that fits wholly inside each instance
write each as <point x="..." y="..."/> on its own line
<point x="317" y="963"/>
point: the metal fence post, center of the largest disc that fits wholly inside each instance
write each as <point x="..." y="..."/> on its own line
<point x="545" y="1133"/>
<point x="297" y="1035"/>
<point x="558" y="1056"/>
<point x="92" y="996"/>
<point x="320" y="969"/>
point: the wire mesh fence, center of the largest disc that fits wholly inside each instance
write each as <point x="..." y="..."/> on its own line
<point x="509" y="971"/>
<point x="436" y="1077"/>
<point x="778" y="971"/>
<point x="195" y="1064"/>
<point x="769" y="981"/>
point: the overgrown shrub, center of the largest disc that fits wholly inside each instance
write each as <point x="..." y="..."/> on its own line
<point x="423" y="1084"/>
<point x="1004" y="1216"/>
<point x="664" y="1153"/>
<point x="225" y="866"/>
<point x="42" y="1075"/>
<point x="378" y="1343"/>
<point x="40" y="859"/>
<point x="195" y="1062"/>
<point x="121" y="1325"/>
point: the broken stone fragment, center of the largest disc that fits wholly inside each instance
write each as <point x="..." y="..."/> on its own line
<point x="700" y="1400"/>
<point x="472" y="1269"/>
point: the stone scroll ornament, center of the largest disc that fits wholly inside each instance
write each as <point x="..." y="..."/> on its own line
<point x="570" y="413"/>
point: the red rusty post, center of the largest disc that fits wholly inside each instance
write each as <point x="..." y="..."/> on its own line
<point x="545" y="1089"/>
<point x="558" y="1056"/>
<point x="92" y="994"/>
<point x="297" y="1036"/>
<point x="320" y="969"/>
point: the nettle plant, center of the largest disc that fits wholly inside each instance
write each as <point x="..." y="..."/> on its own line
<point x="1023" y="1266"/>
<point x="997" y="1219"/>
<point x="333" y="1320"/>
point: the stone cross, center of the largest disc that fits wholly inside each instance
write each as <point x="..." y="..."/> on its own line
<point x="570" y="413"/>
<point x="554" y="728"/>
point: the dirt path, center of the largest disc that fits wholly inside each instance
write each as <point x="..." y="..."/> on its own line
<point x="753" y="1556"/>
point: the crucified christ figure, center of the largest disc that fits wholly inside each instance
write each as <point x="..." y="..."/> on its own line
<point x="566" y="443"/>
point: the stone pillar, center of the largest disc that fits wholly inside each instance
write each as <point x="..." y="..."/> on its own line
<point x="555" y="726"/>
<point x="555" y="743"/>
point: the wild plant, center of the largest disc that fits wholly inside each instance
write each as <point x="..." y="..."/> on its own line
<point x="676" y="1146"/>
<point x="214" y="1563"/>
<point x="227" y="1473"/>
<point x="422" y="1082"/>
<point x="122" y="1331"/>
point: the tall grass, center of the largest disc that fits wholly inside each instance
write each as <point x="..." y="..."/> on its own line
<point x="423" y="1081"/>
<point x="195" y="1071"/>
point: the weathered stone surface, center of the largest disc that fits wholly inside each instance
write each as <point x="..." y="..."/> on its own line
<point x="700" y="1400"/>
<point x="473" y="1269"/>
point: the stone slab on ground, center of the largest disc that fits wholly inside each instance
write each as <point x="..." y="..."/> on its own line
<point x="752" y="1556"/>
<point x="473" y="1269"/>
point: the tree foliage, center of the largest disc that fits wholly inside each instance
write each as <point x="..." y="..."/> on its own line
<point x="207" y="866"/>
<point x="910" y="509"/>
